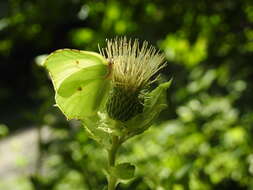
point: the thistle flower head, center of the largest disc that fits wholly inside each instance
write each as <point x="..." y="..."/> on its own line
<point x="131" y="68"/>
<point x="132" y="64"/>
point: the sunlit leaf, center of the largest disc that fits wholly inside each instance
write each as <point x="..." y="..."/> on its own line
<point x="123" y="171"/>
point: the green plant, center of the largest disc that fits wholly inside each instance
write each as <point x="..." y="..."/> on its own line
<point x="110" y="94"/>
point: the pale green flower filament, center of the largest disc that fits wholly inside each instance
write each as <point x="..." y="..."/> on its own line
<point x="132" y="64"/>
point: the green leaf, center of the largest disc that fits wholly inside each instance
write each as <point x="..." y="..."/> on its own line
<point x="100" y="128"/>
<point x="155" y="102"/>
<point x="123" y="171"/>
<point x="94" y="130"/>
<point x="79" y="79"/>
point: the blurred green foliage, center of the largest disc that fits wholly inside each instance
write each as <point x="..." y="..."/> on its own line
<point x="3" y="130"/>
<point x="202" y="142"/>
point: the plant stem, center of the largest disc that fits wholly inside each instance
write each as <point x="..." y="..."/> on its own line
<point x="112" y="152"/>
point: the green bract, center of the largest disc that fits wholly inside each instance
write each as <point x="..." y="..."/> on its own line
<point x="100" y="127"/>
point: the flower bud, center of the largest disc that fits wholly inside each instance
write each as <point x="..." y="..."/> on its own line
<point x="122" y="105"/>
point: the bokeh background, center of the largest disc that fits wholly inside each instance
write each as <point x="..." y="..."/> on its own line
<point x="203" y="141"/>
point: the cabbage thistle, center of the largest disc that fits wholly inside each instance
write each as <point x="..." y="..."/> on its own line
<point x="110" y="94"/>
<point x="131" y="70"/>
